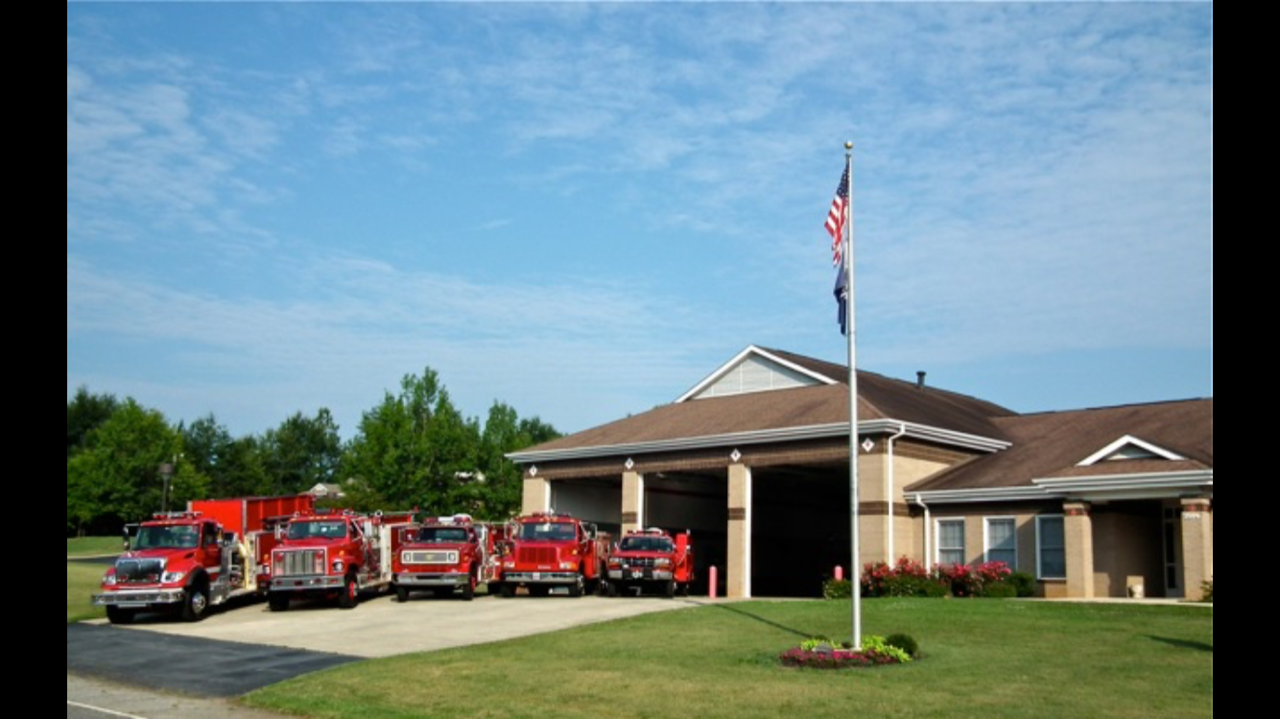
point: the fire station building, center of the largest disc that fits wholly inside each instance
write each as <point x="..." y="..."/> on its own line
<point x="1102" y="502"/>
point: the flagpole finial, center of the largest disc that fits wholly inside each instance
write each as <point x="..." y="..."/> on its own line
<point x="848" y="144"/>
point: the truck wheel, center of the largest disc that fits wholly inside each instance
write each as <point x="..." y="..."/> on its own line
<point x="350" y="595"/>
<point x="277" y="601"/>
<point x="669" y="590"/>
<point x="195" y="600"/>
<point x="402" y="593"/>
<point x="575" y="589"/>
<point x="611" y="589"/>
<point x="119" y="615"/>
<point x="469" y="589"/>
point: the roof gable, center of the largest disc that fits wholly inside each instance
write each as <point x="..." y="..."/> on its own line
<point x="1128" y="447"/>
<point x="756" y="370"/>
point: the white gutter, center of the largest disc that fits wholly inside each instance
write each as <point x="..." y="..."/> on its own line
<point x="890" y="486"/>
<point x="1111" y="486"/>
<point x="927" y="522"/>
<point x="765" y="436"/>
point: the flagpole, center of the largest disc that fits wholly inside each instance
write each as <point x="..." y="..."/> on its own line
<point x="855" y="571"/>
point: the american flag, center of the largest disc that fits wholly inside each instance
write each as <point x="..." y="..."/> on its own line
<point x="836" y="216"/>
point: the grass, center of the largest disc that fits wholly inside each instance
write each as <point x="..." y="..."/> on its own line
<point x="984" y="657"/>
<point x="90" y="546"/>
<point x="83" y="580"/>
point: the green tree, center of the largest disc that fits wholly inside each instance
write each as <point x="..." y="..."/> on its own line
<point x="234" y="466"/>
<point x="505" y="432"/>
<point x="85" y="412"/>
<point x="301" y="452"/>
<point x="413" y="449"/>
<point x="116" y="476"/>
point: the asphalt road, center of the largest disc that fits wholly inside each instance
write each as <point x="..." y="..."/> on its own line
<point x="198" y="666"/>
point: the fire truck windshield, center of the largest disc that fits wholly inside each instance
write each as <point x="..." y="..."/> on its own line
<point x="547" y="531"/>
<point x="645" y="544"/>
<point x="442" y="535"/>
<point x="169" y="537"/>
<point x="313" y="530"/>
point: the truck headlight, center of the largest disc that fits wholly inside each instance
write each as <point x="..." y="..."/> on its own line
<point x="337" y="566"/>
<point x="662" y="562"/>
<point x="109" y="579"/>
<point x="171" y="577"/>
<point x="509" y="564"/>
<point x="568" y="565"/>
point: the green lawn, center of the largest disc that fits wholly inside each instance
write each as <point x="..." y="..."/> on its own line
<point x="82" y="580"/>
<point x="985" y="657"/>
<point x="89" y="546"/>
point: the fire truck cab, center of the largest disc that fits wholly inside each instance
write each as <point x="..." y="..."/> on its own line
<point x="333" y="553"/>
<point x="550" y="550"/>
<point x="447" y="554"/>
<point x="652" y="559"/>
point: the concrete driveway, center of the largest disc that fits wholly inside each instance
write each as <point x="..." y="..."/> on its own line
<point x="381" y="627"/>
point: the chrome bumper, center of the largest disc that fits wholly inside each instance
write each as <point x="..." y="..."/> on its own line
<point x="431" y="579"/>
<point x="540" y="577"/>
<point x="312" y="581"/>
<point x="137" y="597"/>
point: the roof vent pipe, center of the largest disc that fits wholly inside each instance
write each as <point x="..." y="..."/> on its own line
<point x="920" y="379"/>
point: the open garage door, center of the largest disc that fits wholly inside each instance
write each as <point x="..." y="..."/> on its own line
<point x="799" y="529"/>
<point x="696" y="502"/>
<point x="591" y="499"/>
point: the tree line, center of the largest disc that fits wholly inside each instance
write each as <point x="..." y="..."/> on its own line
<point x="414" y="449"/>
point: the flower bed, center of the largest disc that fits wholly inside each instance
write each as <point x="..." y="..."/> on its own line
<point x="822" y="653"/>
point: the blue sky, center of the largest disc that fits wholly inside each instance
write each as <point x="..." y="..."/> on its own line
<point x="582" y="209"/>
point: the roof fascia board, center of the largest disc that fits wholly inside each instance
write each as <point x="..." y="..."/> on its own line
<point x="1128" y="439"/>
<point x="765" y="436"/>
<point x="738" y="358"/>
<point x="1131" y="486"/>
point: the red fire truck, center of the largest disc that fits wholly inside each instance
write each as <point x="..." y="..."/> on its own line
<point x="333" y="553"/>
<point x="549" y="550"/>
<point x="448" y="553"/>
<point x="189" y="561"/>
<point x="651" y="558"/>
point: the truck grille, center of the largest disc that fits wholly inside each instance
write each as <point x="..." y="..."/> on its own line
<point x="139" y="571"/>
<point x="536" y="555"/>
<point x="429" y="557"/>
<point x="644" y="562"/>
<point x="298" y="562"/>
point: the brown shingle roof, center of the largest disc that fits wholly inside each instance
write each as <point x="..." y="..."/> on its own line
<point x="879" y="397"/>
<point x="1051" y="444"/>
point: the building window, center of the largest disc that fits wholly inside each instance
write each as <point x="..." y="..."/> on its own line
<point x="951" y="541"/>
<point x="1002" y="541"/>
<point x="1051" y="547"/>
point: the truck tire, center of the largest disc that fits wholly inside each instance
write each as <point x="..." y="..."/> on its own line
<point x="119" y="615"/>
<point x="669" y="589"/>
<point x="195" y="601"/>
<point x="576" y="589"/>
<point x="611" y="589"/>
<point x="278" y="601"/>
<point x="469" y="589"/>
<point x="350" y="594"/>
<point x="402" y="593"/>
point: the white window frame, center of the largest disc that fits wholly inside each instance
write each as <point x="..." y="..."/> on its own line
<point x="986" y="538"/>
<point x="937" y="532"/>
<point x="1039" y="545"/>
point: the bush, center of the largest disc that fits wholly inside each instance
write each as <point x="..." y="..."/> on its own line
<point x="821" y="653"/>
<point x="999" y="590"/>
<point x="905" y="642"/>
<point x="1024" y="583"/>
<point x="837" y="589"/>
<point x="1206" y="591"/>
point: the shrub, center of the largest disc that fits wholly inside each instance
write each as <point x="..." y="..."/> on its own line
<point x="1206" y="591"/>
<point x="1024" y="583"/>
<point x="820" y="653"/>
<point x="837" y="589"/>
<point x="999" y="590"/>
<point x="905" y="642"/>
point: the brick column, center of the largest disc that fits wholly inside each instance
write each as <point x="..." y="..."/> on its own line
<point x="739" y="569"/>
<point x="1078" y="531"/>
<point x="632" y="501"/>
<point x="1197" y="544"/>
<point x="536" y="495"/>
